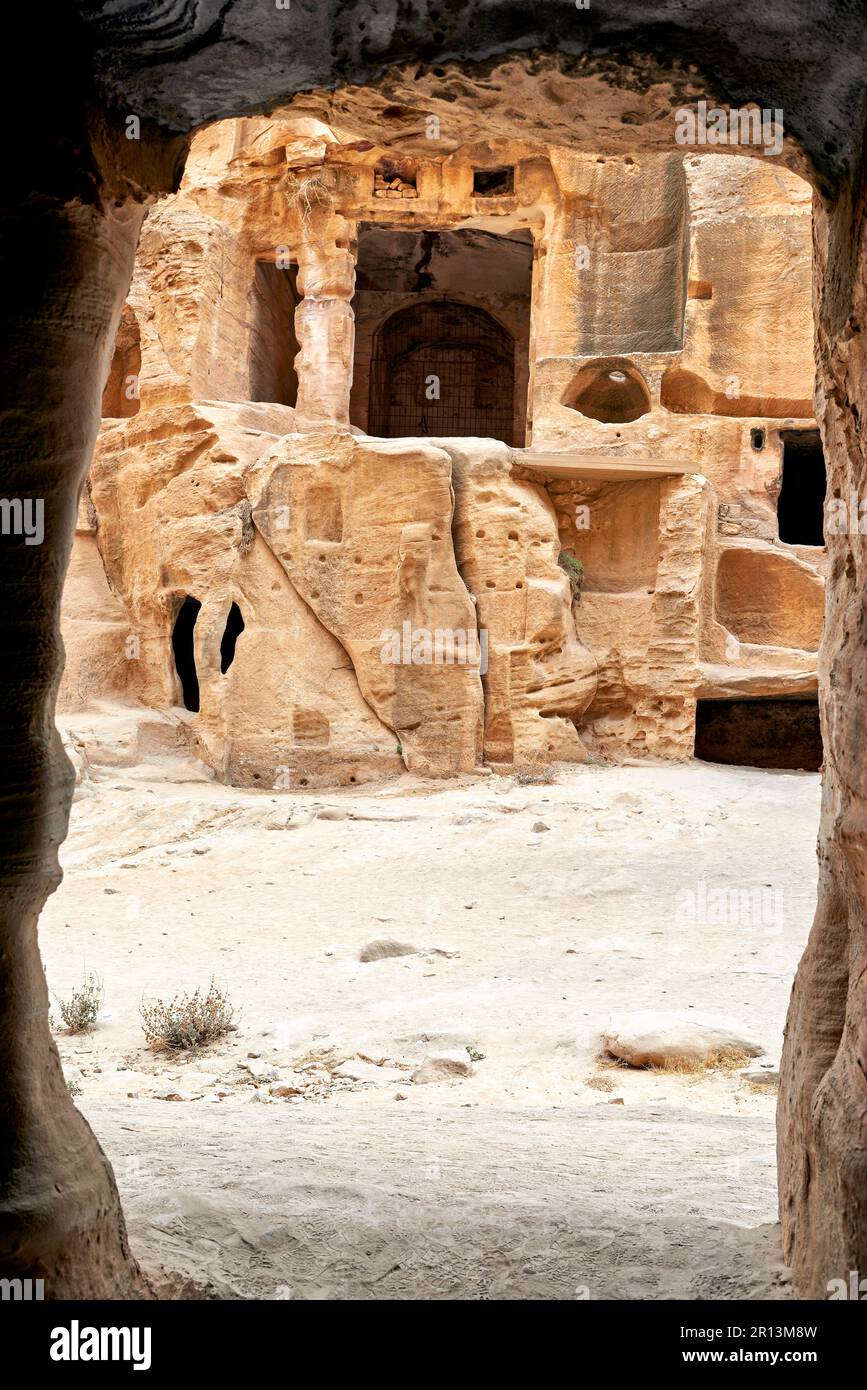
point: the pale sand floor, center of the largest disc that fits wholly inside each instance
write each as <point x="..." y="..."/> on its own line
<point x="521" y="1180"/>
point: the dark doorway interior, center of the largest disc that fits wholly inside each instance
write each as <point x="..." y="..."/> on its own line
<point x="781" y="733"/>
<point x="442" y="333"/>
<point x="184" y="650"/>
<point x="273" y="344"/>
<point x="234" y="628"/>
<point x="802" y="495"/>
<point x="494" y="183"/>
<point x="443" y="369"/>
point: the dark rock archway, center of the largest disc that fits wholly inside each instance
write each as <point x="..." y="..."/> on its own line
<point x="107" y="115"/>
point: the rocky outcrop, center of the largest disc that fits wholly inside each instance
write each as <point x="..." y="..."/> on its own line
<point x="539" y="678"/>
<point x="363" y="530"/>
<point x="286" y="710"/>
<point x="678" y="1040"/>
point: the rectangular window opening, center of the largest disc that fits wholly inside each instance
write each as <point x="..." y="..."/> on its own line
<point x="493" y="183"/>
<point x="801" y="502"/>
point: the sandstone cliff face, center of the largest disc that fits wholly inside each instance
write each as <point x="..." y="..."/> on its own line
<point x="643" y="319"/>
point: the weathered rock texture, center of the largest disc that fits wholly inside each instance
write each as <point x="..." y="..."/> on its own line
<point x="607" y="317"/>
<point x="70" y="216"/>
<point x="822" y="1132"/>
<point x="368" y="547"/>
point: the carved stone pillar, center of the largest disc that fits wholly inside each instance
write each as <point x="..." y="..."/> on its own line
<point x="324" y="320"/>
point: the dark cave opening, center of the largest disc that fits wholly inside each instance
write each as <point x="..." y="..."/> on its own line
<point x="801" y="501"/>
<point x="183" y="645"/>
<point x="760" y="732"/>
<point x="234" y="628"/>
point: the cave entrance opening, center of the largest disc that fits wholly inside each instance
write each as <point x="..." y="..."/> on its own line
<point x="765" y="731"/>
<point x="442" y="322"/>
<point x="183" y="646"/>
<point x="802" y="493"/>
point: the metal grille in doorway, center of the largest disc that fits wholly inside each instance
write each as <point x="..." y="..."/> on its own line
<point x="443" y="369"/>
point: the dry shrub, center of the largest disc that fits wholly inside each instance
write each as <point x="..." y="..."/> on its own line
<point x="536" y="779"/>
<point x="188" y="1020"/>
<point x="80" y="1011"/>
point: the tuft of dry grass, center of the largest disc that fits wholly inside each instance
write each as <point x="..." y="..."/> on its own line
<point x="188" y="1020"/>
<point x="726" y="1059"/>
<point x="762" y="1086"/>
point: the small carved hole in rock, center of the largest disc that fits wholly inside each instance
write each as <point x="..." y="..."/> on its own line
<point x="480" y="535"/>
<point x="234" y="628"/>
<point x="394" y="176"/>
<point x="359" y="598"/>
<point x="513" y="535"/>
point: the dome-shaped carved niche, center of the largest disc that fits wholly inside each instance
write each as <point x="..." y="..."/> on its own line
<point x="610" y="389"/>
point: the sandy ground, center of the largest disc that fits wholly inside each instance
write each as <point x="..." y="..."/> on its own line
<point x="547" y="1173"/>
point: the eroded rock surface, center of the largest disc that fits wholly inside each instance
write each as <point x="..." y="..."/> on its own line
<point x="579" y="482"/>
